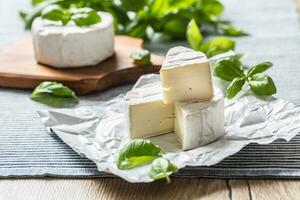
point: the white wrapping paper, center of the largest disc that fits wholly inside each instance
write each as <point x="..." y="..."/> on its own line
<point x="99" y="132"/>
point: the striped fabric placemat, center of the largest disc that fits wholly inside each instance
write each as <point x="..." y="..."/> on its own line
<point x="26" y="149"/>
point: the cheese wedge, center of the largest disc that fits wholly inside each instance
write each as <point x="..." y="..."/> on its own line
<point x="186" y="75"/>
<point x="147" y="115"/>
<point x="199" y="123"/>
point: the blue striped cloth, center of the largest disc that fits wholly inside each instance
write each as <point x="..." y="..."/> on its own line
<point x="27" y="149"/>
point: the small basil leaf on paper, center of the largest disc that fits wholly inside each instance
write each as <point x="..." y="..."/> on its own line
<point x="217" y="45"/>
<point x="231" y="30"/>
<point x="262" y="85"/>
<point x="193" y="35"/>
<point x="85" y="16"/>
<point x="259" y="68"/>
<point x="162" y="168"/>
<point x="228" y="69"/>
<point x="137" y="153"/>
<point x="141" y="57"/>
<point x="56" y="13"/>
<point x="234" y="87"/>
<point x="54" y="94"/>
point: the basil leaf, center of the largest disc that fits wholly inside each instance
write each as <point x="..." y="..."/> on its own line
<point x="259" y="68"/>
<point x="162" y="168"/>
<point x="212" y="7"/>
<point x="157" y="8"/>
<point x="23" y="15"/>
<point x="262" y="85"/>
<point x="228" y="69"/>
<point x="133" y="5"/>
<point x="136" y="153"/>
<point x="36" y="2"/>
<point x="54" y="94"/>
<point x="136" y="29"/>
<point x="142" y="57"/>
<point x="234" y="87"/>
<point x="217" y="45"/>
<point x="85" y="16"/>
<point x="176" y="27"/>
<point x="231" y="31"/>
<point x="193" y="35"/>
<point x="56" y="13"/>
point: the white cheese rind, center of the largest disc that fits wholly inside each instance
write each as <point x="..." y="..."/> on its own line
<point x="200" y="123"/>
<point x="185" y="76"/>
<point x="73" y="46"/>
<point x="147" y="115"/>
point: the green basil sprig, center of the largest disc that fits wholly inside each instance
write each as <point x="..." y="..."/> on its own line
<point x="211" y="47"/>
<point x="54" y="94"/>
<point x="232" y="70"/>
<point x="141" y="57"/>
<point x="137" y="153"/>
<point x="81" y="16"/>
<point x="143" y="18"/>
<point x="162" y="168"/>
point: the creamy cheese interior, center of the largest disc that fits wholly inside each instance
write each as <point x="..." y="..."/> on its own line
<point x="186" y="75"/>
<point x="147" y="114"/>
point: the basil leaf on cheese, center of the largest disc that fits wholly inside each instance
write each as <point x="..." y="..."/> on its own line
<point x="137" y="153"/>
<point x="85" y="16"/>
<point x="80" y="16"/>
<point x="141" y="57"/>
<point x="56" y="13"/>
<point x="54" y="94"/>
<point x="162" y="168"/>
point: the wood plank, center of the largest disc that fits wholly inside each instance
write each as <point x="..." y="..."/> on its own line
<point x="239" y="189"/>
<point x="112" y="188"/>
<point x="274" y="189"/>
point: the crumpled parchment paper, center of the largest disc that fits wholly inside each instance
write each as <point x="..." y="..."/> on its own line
<point x="98" y="132"/>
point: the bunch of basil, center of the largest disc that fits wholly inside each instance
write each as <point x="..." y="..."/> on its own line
<point x="144" y="18"/>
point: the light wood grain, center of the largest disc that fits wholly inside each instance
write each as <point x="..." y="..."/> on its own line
<point x="275" y="190"/>
<point x="112" y="188"/>
<point x="239" y="189"/>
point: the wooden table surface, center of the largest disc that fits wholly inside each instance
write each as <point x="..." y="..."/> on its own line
<point x="115" y="188"/>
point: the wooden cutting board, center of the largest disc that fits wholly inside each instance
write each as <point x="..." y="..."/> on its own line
<point x="19" y="69"/>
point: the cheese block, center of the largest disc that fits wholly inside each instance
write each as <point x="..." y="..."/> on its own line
<point x="147" y="115"/>
<point x="186" y="75"/>
<point x="198" y="123"/>
<point x="72" y="46"/>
